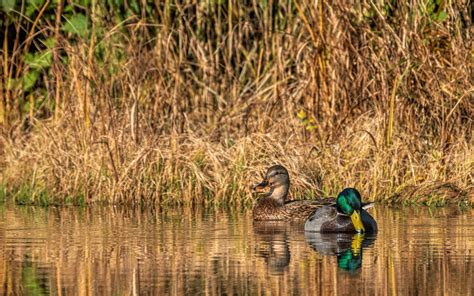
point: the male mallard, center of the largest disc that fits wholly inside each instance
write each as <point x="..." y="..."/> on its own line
<point x="348" y="247"/>
<point x="347" y="215"/>
<point x="275" y="205"/>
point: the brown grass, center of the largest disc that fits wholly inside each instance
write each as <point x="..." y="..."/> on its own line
<point x="194" y="108"/>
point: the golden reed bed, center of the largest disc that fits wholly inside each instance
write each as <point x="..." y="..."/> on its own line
<point x="188" y="101"/>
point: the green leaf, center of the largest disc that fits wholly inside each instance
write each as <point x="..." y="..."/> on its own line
<point x="134" y="6"/>
<point x="68" y="8"/>
<point x="430" y="7"/>
<point x="76" y="24"/>
<point x="39" y="60"/>
<point x="8" y="5"/>
<point x="441" y="16"/>
<point x="64" y="60"/>
<point x="29" y="80"/>
<point x="32" y="6"/>
<point x="84" y="3"/>
<point x="49" y="43"/>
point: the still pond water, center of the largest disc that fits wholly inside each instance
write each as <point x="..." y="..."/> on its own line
<point x="116" y="251"/>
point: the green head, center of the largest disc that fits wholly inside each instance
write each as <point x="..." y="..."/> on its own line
<point x="349" y="203"/>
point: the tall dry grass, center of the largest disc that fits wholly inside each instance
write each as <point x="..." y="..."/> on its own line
<point x="192" y="105"/>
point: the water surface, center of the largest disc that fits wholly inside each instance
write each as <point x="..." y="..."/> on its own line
<point x="117" y="251"/>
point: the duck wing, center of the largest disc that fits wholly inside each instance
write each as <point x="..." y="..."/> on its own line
<point x="300" y="210"/>
<point x="320" y="217"/>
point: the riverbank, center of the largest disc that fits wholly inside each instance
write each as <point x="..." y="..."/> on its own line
<point x="59" y="164"/>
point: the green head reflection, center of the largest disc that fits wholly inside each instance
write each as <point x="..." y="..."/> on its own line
<point x="351" y="259"/>
<point x="346" y="247"/>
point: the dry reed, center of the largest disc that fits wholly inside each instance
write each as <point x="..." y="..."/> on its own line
<point x="193" y="105"/>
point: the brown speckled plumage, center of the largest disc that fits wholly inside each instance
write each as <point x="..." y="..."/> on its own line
<point x="275" y="206"/>
<point x="268" y="209"/>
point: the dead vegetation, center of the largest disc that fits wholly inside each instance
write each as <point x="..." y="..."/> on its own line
<point x="192" y="108"/>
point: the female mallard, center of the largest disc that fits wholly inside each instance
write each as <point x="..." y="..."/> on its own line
<point x="347" y="215"/>
<point x="275" y="205"/>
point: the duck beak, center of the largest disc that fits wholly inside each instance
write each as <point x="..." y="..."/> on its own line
<point x="261" y="185"/>
<point x="357" y="221"/>
<point x="356" y="244"/>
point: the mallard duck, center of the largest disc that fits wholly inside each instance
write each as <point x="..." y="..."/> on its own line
<point x="276" y="206"/>
<point x="348" y="247"/>
<point x="271" y="241"/>
<point x="347" y="215"/>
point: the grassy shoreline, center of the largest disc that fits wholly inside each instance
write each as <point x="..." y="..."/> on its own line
<point x="187" y="102"/>
<point x="186" y="169"/>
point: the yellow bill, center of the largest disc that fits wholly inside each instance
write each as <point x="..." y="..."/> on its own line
<point x="356" y="244"/>
<point x="357" y="221"/>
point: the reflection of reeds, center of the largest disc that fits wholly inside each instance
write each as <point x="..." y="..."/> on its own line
<point x="195" y="99"/>
<point x="115" y="251"/>
<point x="391" y="271"/>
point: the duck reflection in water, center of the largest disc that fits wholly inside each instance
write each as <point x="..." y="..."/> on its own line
<point x="272" y="245"/>
<point x="347" y="247"/>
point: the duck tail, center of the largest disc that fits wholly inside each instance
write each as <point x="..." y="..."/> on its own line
<point x="368" y="205"/>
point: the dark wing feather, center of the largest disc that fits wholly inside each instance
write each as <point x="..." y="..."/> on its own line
<point x="324" y="215"/>
<point x="300" y="210"/>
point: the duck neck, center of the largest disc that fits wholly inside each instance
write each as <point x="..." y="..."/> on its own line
<point x="279" y="194"/>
